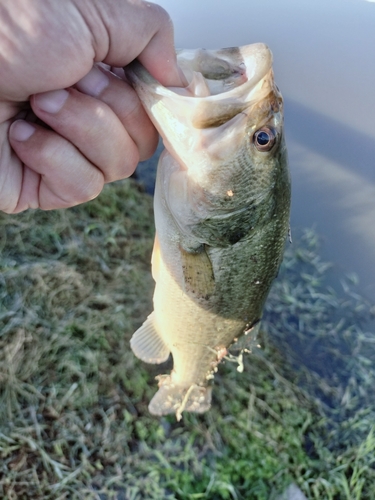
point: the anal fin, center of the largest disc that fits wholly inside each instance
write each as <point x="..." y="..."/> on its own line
<point x="148" y="345"/>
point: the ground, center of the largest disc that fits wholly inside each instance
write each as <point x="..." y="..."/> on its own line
<point x="74" y="286"/>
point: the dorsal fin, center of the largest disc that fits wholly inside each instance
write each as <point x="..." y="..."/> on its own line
<point x="248" y="339"/>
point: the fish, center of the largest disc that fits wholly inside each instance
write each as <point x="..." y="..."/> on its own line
<point x="221" y="208"/>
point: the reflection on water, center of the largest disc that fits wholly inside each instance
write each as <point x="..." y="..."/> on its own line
<point x="324" y="54"/>
<point x="334" y="188"/>
<point x="320" y="133"/>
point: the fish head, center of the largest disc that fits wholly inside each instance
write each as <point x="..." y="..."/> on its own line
<point x="225" y="129"/>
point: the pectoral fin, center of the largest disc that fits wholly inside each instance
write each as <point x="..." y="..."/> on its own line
<point x="198" y="273"/>
<point x="148" y="345"/>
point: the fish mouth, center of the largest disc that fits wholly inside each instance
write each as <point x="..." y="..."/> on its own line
<point x="222" y="84"/>
<point x="225" y="70"/>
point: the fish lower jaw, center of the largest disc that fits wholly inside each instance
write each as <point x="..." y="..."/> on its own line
<point x="174" y="398"/>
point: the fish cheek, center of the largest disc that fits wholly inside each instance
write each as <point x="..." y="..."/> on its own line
<point x="198" y="274"/>
<point x="178" y="198"/>
<point x="218" y="143"/>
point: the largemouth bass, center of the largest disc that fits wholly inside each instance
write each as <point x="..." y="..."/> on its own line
<point x="222" y="201"/>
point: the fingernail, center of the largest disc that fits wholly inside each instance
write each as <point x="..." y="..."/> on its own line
<point x="21" y="130"/>
<point x="52" y="101"/>
<point x="93" y="83"/>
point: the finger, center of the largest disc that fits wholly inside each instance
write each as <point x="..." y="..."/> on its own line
<point x="147" y="34"/>
<point x="159" y="55"/>
<point x="92" y="127"/>
<point x="123" y="100"/>
<point x="66" y="37"/>
<point x="10" y="172"/>
<point x="65" y="177"/>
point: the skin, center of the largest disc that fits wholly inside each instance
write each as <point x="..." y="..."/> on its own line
<point x="68" y="122"/>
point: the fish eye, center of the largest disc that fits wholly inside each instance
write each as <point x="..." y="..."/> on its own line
<point x="264" y="139"/>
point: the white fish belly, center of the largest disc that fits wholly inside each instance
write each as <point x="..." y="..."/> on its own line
<point x="195" y="336"/>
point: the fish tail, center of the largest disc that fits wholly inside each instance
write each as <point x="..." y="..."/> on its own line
<point x="172" y="398"/>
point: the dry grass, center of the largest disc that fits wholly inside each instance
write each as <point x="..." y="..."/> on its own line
<point x="75" y="284"/>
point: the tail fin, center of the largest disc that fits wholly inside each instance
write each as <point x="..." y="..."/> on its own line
<point x="172" y="398"/>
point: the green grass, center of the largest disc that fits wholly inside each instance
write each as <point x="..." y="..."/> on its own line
<point x="74" y="424"/>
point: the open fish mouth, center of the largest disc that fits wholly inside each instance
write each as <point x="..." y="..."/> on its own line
<point x="223" y="83"/>
<point x="224" y="70"/>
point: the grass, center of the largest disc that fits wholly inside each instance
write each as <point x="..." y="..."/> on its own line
<point x="74" y="424"/>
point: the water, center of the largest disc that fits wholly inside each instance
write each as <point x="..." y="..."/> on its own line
<point x="324" y="61"/>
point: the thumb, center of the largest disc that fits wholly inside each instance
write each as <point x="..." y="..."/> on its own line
<point x="134" y="28"/>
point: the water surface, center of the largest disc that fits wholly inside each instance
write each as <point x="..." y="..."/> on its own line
<point x="324" y="60"/>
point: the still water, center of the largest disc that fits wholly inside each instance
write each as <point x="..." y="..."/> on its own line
<point x="324" y="62"/>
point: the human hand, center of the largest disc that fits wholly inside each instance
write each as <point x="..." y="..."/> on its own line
<point x="81" y="125"/>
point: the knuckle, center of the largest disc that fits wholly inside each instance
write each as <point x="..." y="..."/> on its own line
<point x="161" y="14"/>
<point x="91" y="189"/>
<point x="123" y="164"/>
